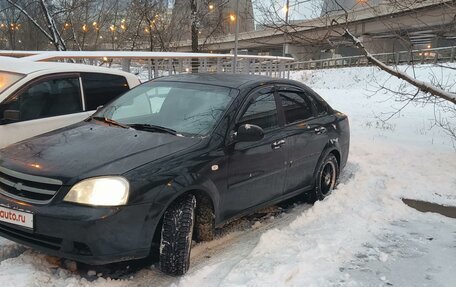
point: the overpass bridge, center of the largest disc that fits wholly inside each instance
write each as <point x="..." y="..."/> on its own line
<point x="383" y="29"/>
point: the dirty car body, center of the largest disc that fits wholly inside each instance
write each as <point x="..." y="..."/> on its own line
<point x="192" y="148"/>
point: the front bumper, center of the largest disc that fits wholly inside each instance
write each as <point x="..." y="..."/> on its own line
<point x="92" y="235"/>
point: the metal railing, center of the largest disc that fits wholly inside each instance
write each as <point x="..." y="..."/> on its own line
<point x="435" y="55"/>
<point x="149" y="65"/>
<point x="157" y="64"/>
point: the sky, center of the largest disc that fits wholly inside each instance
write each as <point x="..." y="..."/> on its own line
<point x="298" y="10"/>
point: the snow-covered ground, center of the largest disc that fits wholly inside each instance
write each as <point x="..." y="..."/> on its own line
<point x="362" y="235"/>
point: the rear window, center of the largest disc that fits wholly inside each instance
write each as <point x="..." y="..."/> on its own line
<point x="7" y="79"/>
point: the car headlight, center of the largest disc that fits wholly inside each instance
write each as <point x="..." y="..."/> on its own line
<point x="100" y="191"/>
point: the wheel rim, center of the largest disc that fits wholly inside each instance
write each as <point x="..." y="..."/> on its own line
<point x="328" y="178"/>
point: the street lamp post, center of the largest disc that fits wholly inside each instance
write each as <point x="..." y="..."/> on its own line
<point x="287" y="9"/>
<point x="236" y="38"/>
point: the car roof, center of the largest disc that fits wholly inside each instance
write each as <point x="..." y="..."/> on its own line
<point x="226" y="80"/>
<point x="23" y="66"/>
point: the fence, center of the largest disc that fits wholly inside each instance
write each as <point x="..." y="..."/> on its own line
<point x="435" y="55"/>
<point x="150" y="65"/>
<point x="156" y="64"/>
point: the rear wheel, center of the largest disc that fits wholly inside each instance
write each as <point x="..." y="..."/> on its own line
<point x="326" y="179"/>
<point x="176" y="236"/>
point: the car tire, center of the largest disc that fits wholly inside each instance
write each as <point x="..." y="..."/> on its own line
<point x="326" y="178"/>
<point x="176" y="236"/>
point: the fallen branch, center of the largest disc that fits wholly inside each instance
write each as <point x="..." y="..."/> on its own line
<point x="421" y="85"/>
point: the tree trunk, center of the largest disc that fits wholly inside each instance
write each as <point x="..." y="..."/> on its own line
<point x="194" y="17"/>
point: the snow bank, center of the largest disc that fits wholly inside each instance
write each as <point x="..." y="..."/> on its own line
<point x="354" y="91"/>
<point x="35" y="269"/>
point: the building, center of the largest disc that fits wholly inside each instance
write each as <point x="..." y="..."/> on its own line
<point x="339" y="5"/>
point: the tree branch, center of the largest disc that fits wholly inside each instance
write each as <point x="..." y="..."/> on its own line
<point x="57" y="38"/>
<point x="421" y="85"/>
<point x="34" y="22"/>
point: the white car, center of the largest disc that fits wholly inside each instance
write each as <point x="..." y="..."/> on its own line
<point x="37" y="97"/>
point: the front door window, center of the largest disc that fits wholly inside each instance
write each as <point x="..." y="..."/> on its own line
<point x="261" y="111"/>
<point x="49" y="98"/>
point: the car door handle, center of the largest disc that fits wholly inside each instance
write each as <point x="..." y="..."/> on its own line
<point x="277" y="144"/>
<point x="320" y="130"/>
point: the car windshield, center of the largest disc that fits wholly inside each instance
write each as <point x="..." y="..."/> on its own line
<point x="184" y="108"/>
<point x="7" y="79"/>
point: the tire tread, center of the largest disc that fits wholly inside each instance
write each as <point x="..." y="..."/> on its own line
<point x="177" y="231"/>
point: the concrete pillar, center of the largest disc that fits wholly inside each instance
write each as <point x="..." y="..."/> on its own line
<point x="126" y="65"/>
<point x="155" y="64"/>
<point x="181" y="66"/>
<point x="219" y="65"/>
<point x="170" y="67"/>
<point x="303" y="53"/>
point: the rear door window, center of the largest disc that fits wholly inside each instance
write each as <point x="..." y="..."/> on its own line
<point x="47" y="98"/>
<point x="296" y="106"/>
<point x="99" y="89"/>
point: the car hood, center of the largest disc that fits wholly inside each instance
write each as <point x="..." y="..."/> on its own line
<point x="90" y="149"/>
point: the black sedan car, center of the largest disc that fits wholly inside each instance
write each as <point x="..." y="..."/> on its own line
<point x="166" y="163"/>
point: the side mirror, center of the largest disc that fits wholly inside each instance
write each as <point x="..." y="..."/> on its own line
<point x="249" y="133"/>
<point x="11" y="115"/>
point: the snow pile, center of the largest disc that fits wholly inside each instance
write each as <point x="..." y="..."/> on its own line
<point x="362" y="235"/>
<point x="355" y="91"/>
<point x="35" y="269"/>
<point x="369" y="78"/>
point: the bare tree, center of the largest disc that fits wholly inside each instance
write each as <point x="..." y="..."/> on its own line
<point x="422" y="86"/>
<point x="197" y="20"/>
<point x="441" y="95"/>
<point x="49" y="29"/>
<point x="9" y="28"/>
<point x="336" y="29"/>
<point x="151" y="25"/>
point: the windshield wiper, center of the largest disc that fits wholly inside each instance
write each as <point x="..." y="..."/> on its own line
<point x="109" y="121"/>
<point x="153" y="128"/>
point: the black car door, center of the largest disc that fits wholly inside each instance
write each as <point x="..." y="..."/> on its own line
<point x="256" y="169"/>
<point x="306" y="134"/>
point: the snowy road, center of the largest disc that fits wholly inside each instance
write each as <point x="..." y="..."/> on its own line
<point x="235" y="241"/>
<point x="363" y="235"/>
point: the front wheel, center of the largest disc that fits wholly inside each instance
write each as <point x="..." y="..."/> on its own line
<point x="326" y="178"/>
<point x="176" y="236"/>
